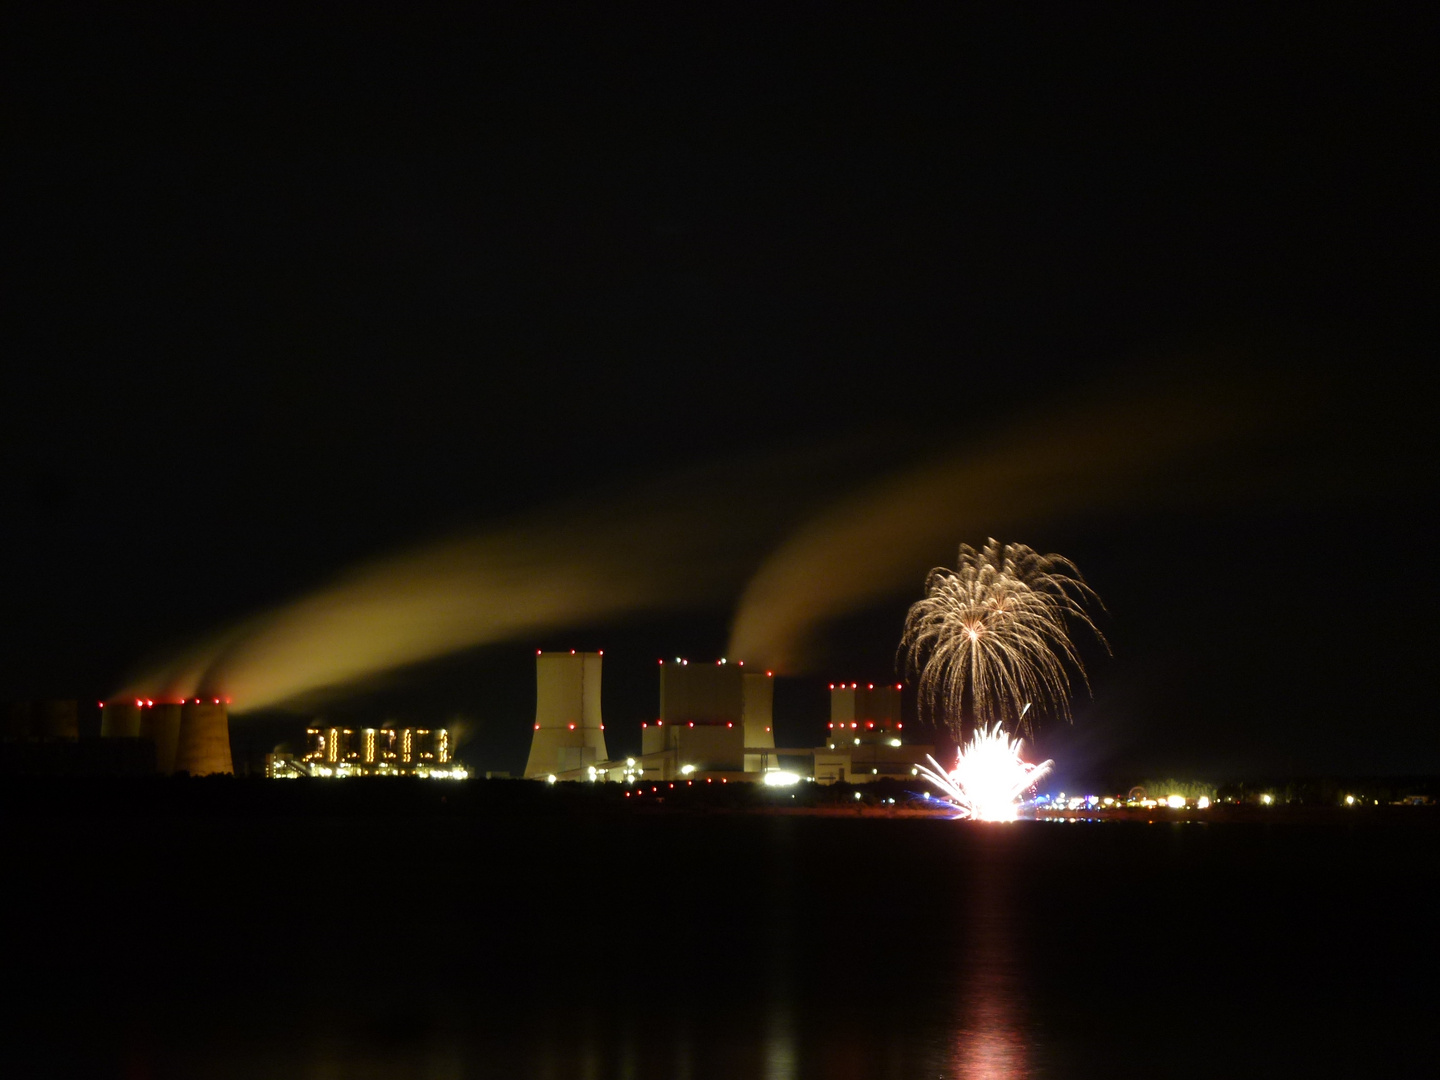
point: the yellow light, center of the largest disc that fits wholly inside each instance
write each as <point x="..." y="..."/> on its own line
<point x="1267" y="799"/>
<point x="1176" y="802"/>
<point x="1202" y="803"/>
<point x="686" y="770"/>
<point x="1349" y="800"/>
<point x="894" y="742"/>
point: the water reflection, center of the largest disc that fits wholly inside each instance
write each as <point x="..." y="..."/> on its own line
<point x="781" y="1059"/>
<point x="990" y="1040"/>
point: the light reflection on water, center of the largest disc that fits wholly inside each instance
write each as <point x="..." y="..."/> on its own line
<point x="864" y="949"/>
<point x="794" y="1002"/>
<point x="990" y="1041"/>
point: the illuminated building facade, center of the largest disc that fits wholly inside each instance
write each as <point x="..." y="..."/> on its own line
<point x="340" y="751"/>
<point x="864" y="741"/>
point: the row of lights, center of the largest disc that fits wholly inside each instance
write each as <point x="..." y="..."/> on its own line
<point x="147" y="703"/>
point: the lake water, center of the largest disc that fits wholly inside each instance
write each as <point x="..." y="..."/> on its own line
<point x="677" y="945"/>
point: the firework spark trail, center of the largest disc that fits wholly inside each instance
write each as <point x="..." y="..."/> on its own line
<point x="998" y="626"/>
<point x="989" y="776"/>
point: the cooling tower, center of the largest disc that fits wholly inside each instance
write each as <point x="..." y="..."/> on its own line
<point x="55" y="720"/>
<point x="49" y="719"/>
<point x="204" y="744"/>
<point x="160" y="723"/>
<point x="569" y="733"/>
<point x="120" y="720"/>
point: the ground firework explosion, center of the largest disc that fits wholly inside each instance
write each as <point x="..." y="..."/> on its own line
<point x="988" y="777"/>
<point x="992" y="636"/>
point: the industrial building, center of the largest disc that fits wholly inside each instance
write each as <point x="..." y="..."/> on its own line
<point x="41" y="720"/>
<point x="44" y="738"/>
<point x="715" y="722"/>
<point x="190" y="736"/>
<point x="337" y="751"/>
<point x="864" y="741"/>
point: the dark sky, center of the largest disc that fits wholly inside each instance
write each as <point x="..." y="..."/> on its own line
<point x="283" y="296"/>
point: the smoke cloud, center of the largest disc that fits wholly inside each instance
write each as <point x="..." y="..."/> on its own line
<point x="677" y="545"/>
<point x="701" y="541"/>
<point x="1112" y="449"/>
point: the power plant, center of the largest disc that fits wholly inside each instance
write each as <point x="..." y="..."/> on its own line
<point x="191" y="736"/>
<point x="715" y="722"/>
<point x="336" y="751"/>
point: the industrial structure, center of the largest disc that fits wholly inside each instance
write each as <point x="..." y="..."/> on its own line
<point x="864" y="740"/>
<point x="715" y="722"/>
<point x="189" y="736"/>
<point x="41" y="720"/>
<point x="569" y="734"/>
<point x="336" y="751"/>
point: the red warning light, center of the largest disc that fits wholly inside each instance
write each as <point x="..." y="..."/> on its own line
<point x="537" y="727"/>
<point x="729" y="724"/>
<point x="769" y="674"/>
<point x="870" y="686"/>
<point x="138" y="703"/>
<point x="692" y="723"/>
<point x="572" y="727"/>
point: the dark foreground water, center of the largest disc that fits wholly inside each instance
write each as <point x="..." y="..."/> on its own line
<point x="709" y="945"/>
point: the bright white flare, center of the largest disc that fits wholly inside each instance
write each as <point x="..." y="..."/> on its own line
<point x="998" y="626"/>
<point x="989" y="776"/>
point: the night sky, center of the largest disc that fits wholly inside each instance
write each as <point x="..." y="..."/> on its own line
<point x="281" y="298"/>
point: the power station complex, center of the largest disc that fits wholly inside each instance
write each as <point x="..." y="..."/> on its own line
<point x="190" y="736"/>
<point x="715" y="722"/>
<point x="138" y="737"/>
